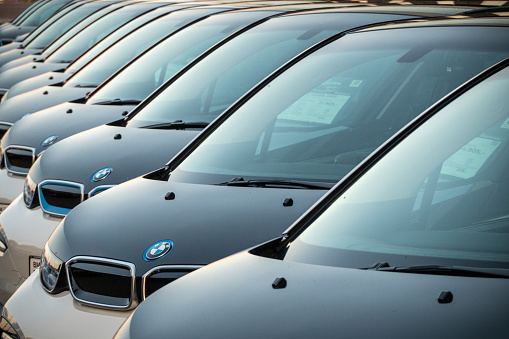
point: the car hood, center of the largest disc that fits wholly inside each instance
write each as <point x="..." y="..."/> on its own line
<point x="13" y="109"/>
<point x="13" y="31"/>
<point x="320" y="302"/>
<point x="14" y="54"/>
<point x="14" y="75"/>
<point x="130" y="152"/>
<point x="46" y="79"/>
<point x="10" y="47"/>
<point x="205" y="222"/>
<point x="23" y="61"/>
<point x="62" y="120"/>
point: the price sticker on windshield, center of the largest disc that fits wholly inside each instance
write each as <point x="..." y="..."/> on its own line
<point x="469" y="159"/>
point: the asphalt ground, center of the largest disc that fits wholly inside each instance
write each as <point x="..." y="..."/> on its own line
<point x="10" y="8"/>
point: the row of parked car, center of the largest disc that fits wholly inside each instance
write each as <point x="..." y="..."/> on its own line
<point x="300" y="150"/>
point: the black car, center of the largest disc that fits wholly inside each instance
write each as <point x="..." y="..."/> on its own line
<point x="255" y="169"/>
<point x="413" y="244"/>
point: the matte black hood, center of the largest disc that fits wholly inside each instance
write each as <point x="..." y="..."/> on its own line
<point x="205" y="222"/>
<point x="130" y="152"/>
<point x="234" y="298"/>
<point x="46" y="79"/>
<point x="62" y="120"/>
<point x="13" y="109"/>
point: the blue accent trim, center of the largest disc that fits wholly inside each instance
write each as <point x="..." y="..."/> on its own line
<point x="50" y="208"/>
<point x="154" y="245"/>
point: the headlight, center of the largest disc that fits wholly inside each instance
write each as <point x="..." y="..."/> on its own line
<point x="50" y="272"/>
<point x="30" y="193"/>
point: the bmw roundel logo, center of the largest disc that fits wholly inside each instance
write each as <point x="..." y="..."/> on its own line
<point x="158" y="250"/>
<point x="101" y="174"/>
<point x="49" y="141"/>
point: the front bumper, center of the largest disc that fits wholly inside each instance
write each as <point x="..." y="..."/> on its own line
<point x="36" y="311"/>
<point x="27" y="230"/>
<point x="11" y="186"/>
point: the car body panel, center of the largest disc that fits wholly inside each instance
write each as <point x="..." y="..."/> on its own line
<point x="189" y="209"/>
<point x="105" y="322"/>
<point x="37" y="100"/>
<point x="72" y="118"/>
<point x="12" y="185"/>
<point x="21" y="251"/>
<point x="14" y="75"/>
<point x="114" y="141"/>
<point x="46" y="79"/>
<point x="320" y="301"/>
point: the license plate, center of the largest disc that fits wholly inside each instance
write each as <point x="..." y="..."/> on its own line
<point x="34" y="263"/>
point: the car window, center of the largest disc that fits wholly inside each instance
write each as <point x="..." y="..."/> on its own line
<point x="93" y="33"/>
<point x="120" y="53"/>
<point x="150" y="71"/>
<point x="319" y="119"/>
<point x="440" y="197"/>
<point x="43" y="13"/>
<point x="62" y="25"/>
<point x="212" y="85"/>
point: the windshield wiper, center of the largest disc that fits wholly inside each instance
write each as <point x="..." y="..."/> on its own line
<point x="178" y="124"/>
<point x="119" y="102"/>
<point x="458" y="271"/>
<point x="276" y="184"/>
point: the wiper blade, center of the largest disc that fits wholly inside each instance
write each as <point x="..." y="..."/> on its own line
<point x="119" y="102"/>
<point x="178" y="124"/>
<point x="276" y="184"/>
<point x="458" y="271"/>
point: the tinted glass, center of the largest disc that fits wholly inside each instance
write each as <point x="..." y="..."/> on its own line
<point x="167" y="58"/>
<point x="319" y="119"/>
<point x="62" y="25"/>
<point x="440" y="197"/>
<point x="42" y="13"/>
<point x="119" y="54"/>
<point x="95" y="32"/>
<point x="117" y="35"/>
<point x="216" y="82"/>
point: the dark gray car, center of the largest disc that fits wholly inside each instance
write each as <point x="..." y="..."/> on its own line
<point x="413" y="244"/>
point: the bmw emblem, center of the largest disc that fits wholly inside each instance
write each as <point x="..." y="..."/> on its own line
<point x="158" y="250"/>
<point x="49" y="141"/>
<point x="101" y="174"/>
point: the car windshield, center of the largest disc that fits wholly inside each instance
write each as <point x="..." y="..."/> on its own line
<point x="319" y="119"/>
<point x="133" y="44"/>
<point x="121" y="33"/>
<point x="83" y="40"/>
<point x="42" y="13"/>
<point x="212" y="85"/>
<point x="440" y="197"/>
<point x="150" y="71"/>
<point x="62" y="25"/>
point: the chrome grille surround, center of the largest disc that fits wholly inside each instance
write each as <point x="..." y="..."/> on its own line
<point x="79" y="295"/>
<point x="184" y="269"/>
<point x="23" y="151"/>
<point x="70" y="186"/>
